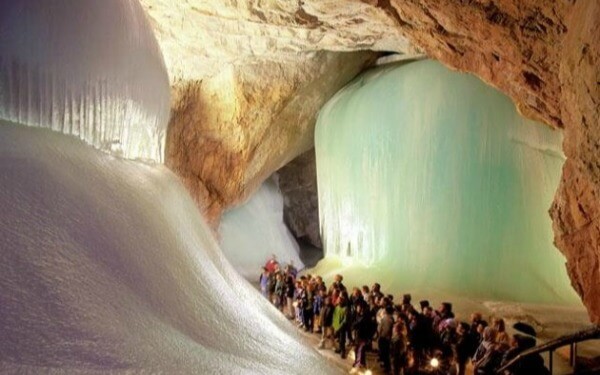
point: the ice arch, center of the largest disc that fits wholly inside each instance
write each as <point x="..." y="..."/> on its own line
<point x="432" y="178"/>
<point x="251" y="233"/>
<point x="92" y="69"/>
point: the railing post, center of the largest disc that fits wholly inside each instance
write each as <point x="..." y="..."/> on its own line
<point x="571" y="354"/>
<point x="574" y="356"/>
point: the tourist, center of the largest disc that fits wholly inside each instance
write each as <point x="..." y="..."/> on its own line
<point x="476" y="330"/>
<point x="264" y="282"/>
<point x="488" y="356"/>
<point x="530" y="365"/>
<point x="406" y="303"/>
<point x="362" y="333"/>
<point x="290" y="290"/>
<point x="419" y="337"/>
<point x="308" y="307"/>
<point x="278" y="295"/>
<point x="319" y="300"/>
<point x="272" y="264"/>
<point x="463" y="347"/>
<point x="339" y="324"/>
<point x="326" y="322"/>
<point x="376" y="291"/>
<point x="502" y="337"/>
<point x="444" y="312"/>
<point x="320" y="284"/>
<point x="399" y="347"/>
<point x="384" y="332"/>
<point x="366" y="293"/>
<point x="337" y="283"/>
<point x="298" y="294"/>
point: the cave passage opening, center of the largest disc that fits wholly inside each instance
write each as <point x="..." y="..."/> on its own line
<point x="432" y="181"/>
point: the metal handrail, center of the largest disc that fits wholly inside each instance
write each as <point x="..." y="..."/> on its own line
<point x="551" y="346"/>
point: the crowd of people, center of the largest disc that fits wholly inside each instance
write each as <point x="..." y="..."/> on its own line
<point x="407" y="339"/>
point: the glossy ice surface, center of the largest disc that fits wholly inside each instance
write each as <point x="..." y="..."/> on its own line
<point x="433" y="180"/>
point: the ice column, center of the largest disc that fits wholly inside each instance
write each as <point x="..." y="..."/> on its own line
<point x="433" y="178"/>
<point x="87" y="68"/>
<point x="253" y="232"/>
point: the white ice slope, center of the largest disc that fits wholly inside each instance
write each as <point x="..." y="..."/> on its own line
<point x="253" y="232"/>
<point x="107" y="266"/>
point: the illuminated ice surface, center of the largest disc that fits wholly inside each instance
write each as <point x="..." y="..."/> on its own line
<point x="88" y="68"/>
<point x="106" y="264"/>
<point x="430" y="179"/>
<point x="251" y="233"/>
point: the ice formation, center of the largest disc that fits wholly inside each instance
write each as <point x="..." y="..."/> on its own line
<point x="252" y="233"/>
<point x="431" y="179"/>
<point x="106" y="265"/>
<point x="92" y="69"/>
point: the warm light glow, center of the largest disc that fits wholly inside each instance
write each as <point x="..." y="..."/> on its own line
<point x="434" y="363"/>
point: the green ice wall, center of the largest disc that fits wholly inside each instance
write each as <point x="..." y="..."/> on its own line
<point x="432" y="179"/>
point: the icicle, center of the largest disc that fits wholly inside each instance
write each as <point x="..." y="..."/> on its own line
<point x="87" y="68"/>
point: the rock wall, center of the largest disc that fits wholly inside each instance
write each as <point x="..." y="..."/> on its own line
<point x="512" y="45"/>
<point x="298" y="184"/>
<point x="576" y="208"/>
<point x="230" y="132"/>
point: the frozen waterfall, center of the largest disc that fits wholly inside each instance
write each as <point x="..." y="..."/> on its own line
<point x="254" y="231"/>
<point x="433" y="180"/>
<point x="107" y="265"/>
<point x="92" y="69"/>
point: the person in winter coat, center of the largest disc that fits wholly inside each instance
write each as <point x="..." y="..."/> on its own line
<point x="290" y="288"/>
<point x="340" y="324"/>
<point x="326" y="322"/>
<point x="399" y="347"/>
<point x="278" y="296"/>
<point x="264" y="283"/>
<point x="530" y="365"/>
<point x="488" y="356"/>
<point x="463" y="347"/>
<point x="362" y="333"/>
<point x="308" y="308"/>
<point x="384" y="331"/>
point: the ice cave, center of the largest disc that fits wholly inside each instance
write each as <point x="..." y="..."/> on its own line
<point x="161" y="162"/>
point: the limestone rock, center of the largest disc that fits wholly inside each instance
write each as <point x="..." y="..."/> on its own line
<point x="576" y="208"/>
<point x="248" y="78"/>
<point x="298" y="184"/>
<point x="201" y="37"/>
<point x="512" y="45"/>
<point x="229" y="132"/>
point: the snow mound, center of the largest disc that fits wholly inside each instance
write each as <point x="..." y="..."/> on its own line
<point x="106" y="265"/>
